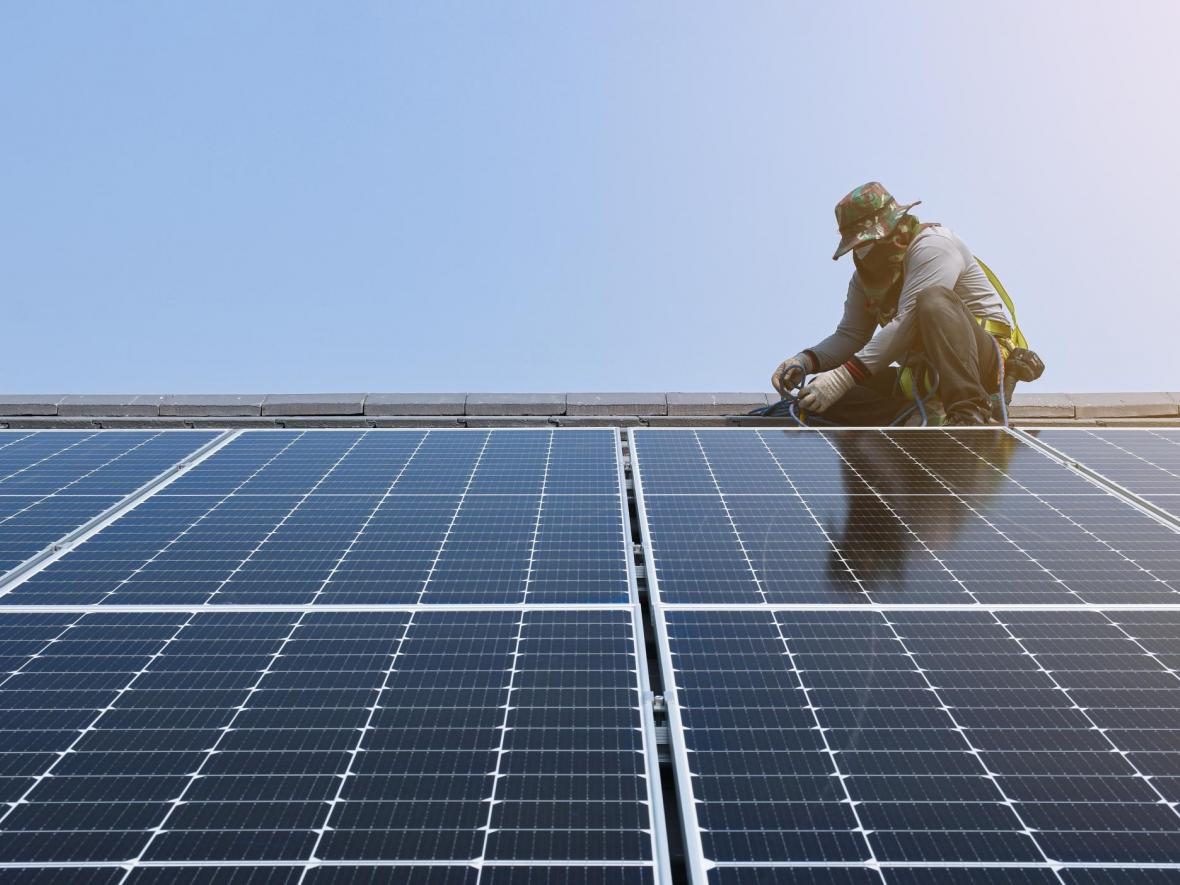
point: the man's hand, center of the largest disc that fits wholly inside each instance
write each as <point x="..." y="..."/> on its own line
<point x="825" y="389"/>
<point x="790" y="373"/>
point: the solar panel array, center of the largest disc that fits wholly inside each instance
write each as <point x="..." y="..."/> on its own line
<point x="53" y="482"/>
<point x="398" y="655"/>
<point x="339" y="656"/>
<point x="1146" y="462"/>
<point x="911" y="656"/>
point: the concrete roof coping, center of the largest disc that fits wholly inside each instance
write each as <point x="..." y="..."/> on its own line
<point x="515" y="404"/>
<point x="1041" y="405"/>
<point x="111" y="405"/>
<point x="616" y="403"/>
<point x="212" y="405"/>
<point x="415" y="403"/>
<point x="30" y="404"/>
<point x="717" y="403"/>
<point x="314" y="404"/>
<point x="1124" y="405"/>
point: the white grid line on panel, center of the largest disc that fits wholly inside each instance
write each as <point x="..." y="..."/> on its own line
<point x="19" y="436"/>
<point x="48" y="771"/>
<point x="500" y="751"/>
<point x="1163" y="436"/>
<point x="1101" y="480"/>
<point x="971" y="748"/>
<point x="1086" y="714"/>
<point x="995" y="528"/>
<point x="49" y="457"/>
<point x="454" y="516"/>
<point x="209" y="608"/>
<point x="536" y="535"/>
<point x="37" y="654"/>
<point x="211" y="751"/>
<point x="860" y="827"/>
<point x="1056" y="510"/>
<point x="376" y="705"/>
<point x="729" y="516"/>
<point x="343" y="864"/>
<point x="188" y="528"/>
<point x="811" y="513"/>
<point x="368" y="519"/>
<point x="1135" y="455"/>
<point x="102" y="520"/>
<point x="900" y="521"/>
<point x="275" y="528"/>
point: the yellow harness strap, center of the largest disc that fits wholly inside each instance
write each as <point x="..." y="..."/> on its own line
<point x="1017" y="336"/>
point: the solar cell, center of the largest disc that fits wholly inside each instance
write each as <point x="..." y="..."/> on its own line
<point x="366" y="517"/>
<point x="951" y="738"/>
<point x="325" y="746"/>
<point x="54" y="481"/>
<point x="1145" y="462"/>
<point x="908" y="516"/>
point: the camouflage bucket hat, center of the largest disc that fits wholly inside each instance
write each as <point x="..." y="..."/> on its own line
<point x="868" y="213"/>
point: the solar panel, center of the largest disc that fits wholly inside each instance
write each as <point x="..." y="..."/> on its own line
<point x="955" y="738"/>
<point x="54" y="481"/>
<point x="386" y="517"/>
<point x="1145" y="462"/>
<point x="975" y="517"/>
<point x="340" y="656"/>
<point x="890" y="657"/>
<point x="303" y="741"/>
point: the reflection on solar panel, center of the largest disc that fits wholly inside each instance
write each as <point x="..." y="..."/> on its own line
<point x="437" y="739"/>
<point x="945" y="737"/>
<point x="758" y="516"/>
<point x="886" y="659"/>
<point x="54" y="481"/>
<point x="366" y="517"/>
<point x="1144" y="462"/>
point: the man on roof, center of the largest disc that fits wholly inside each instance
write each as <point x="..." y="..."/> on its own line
<point x="917" y="297"/>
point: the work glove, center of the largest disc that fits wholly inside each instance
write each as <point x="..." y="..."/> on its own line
<point x="790" y="373"/>
<point x="825" y="389"/>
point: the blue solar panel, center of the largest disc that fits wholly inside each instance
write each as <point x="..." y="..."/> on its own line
<point x="52" y="482"/>
<point x="1036" y="738"/>
<point x="446" y="740"/>
<point x="1145" y="462"/>
<point x="858" y="691"/>
<point x="915" y="517"/>
<point x="366" y="517"/>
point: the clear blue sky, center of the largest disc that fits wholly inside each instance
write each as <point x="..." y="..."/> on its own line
<point x="615" y="195"/>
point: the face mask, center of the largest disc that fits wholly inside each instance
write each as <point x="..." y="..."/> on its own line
<point x="876" y="269"/>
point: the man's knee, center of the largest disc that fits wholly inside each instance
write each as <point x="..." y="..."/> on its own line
<point x="936" y="301"/>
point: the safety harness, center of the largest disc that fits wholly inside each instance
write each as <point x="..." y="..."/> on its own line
<point x="1006" y="338"/>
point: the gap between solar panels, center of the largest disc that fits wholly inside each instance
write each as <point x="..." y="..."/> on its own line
<point x="193" y="446"/>
<point x="321" y="653"/>
<point x="911" y="656"/>
<point x="1142" y="465"/>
